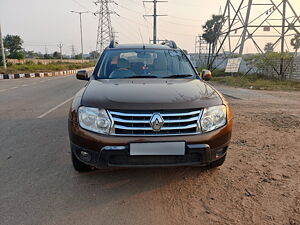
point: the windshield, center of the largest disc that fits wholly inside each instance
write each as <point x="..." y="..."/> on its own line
<point x="147" y="63"/>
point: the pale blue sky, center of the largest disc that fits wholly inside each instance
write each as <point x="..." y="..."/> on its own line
<point x="47" y="22"/>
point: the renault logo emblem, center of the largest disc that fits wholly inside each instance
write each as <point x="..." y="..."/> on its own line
<point x="156" y="122"/>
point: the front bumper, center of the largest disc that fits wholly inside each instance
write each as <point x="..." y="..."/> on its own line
<point x="104" y="151"/>
<point x="119" y="156"/>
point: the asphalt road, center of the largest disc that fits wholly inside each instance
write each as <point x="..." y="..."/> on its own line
<point x="38" y="184"/>
<point x="37" y="180"/>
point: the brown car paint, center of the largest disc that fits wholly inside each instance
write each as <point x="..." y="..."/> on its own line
<point x="137" y="95"/>
<point x="153" y="94"/>
<point x="149" y="94"/>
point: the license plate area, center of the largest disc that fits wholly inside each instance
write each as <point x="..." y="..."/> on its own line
<point x="157" y="148"/>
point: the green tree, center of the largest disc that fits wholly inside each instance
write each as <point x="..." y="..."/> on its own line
<point x="79" y="56"/>
<point x="32" y="54"/>
<point x="1" y="61"/>
<point x="13" y="43"/>
<point x="269" y="47"/>
<point x="212" y="30"/>
<point x="94" y="55"/>
<point x="56" y="55"/>
<point x="295" y="42"/>
<point x="47" y="56"/>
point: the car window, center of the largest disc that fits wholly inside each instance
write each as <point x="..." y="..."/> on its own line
<point x="118" y="64"/>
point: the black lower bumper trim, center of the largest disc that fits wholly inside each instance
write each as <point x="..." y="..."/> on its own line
<point x="119" y="156"/>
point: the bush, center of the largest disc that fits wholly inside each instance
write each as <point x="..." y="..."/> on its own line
<point x="258" y="81"/>
<point x="34" y="68"/>
<point x="265" y="63"/>
<point x="29" y="62"/>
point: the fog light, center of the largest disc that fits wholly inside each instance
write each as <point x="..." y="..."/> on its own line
<point x="85" y="156"/>
<point x="221" y="152"/>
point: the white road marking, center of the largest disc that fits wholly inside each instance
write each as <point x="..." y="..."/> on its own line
<point x="54" y="108"/>
<point x="30" y="84"/>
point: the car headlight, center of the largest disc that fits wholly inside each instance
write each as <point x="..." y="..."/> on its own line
<point x="213" y="118"/>
<point x="94" y="119"/>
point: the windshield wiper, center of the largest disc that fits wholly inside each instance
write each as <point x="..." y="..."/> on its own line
<point x="180" y="76"/>
<point x="145" y="76"/>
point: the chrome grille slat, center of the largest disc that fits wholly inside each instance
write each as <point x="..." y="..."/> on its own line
<point x="149" y="128"/>
<point x="137" y="123"/>
<point x="147" y="121"/>
<point x="150" y="114"/>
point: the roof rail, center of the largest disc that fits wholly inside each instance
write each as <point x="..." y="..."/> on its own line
<point x="170" y="43"/>
<point x="113" y="44"/>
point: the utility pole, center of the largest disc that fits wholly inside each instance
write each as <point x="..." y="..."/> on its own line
<point x="2" y="49"/>
<point x="80" y="13"/>
<point x="155" y="18"/>
<point x="60" y="45"/>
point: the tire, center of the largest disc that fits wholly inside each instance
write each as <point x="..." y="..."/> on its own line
<point x="217" y="163"/>
<point x="80" y="166"/>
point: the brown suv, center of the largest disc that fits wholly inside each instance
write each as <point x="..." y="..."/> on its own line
<point x="146" y="105"/>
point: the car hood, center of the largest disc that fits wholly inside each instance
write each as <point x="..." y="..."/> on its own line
<point x="149" y="94"/>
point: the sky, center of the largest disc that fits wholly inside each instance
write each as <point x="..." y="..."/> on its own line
<point x="43" y="24"/>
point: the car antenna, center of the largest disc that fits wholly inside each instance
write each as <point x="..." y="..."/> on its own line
<point x="142" y="39"/>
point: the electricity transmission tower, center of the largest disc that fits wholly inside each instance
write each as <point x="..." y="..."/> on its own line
<point x="154" y="18"/>
<point x="255" y="22"/>
<point x="60" y="46"/>
<point x="201" y="49"/>
<point x="104" y="32"/>
<point x="73" y="51"/>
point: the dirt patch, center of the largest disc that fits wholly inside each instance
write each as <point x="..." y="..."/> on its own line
<point x="259" y="183"/>
<point x="280" y="119"/>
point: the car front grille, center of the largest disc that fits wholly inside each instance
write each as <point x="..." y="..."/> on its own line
<point x="133" y="123"/>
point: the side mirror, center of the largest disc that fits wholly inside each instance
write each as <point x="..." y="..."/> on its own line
<point x="82" y="75"/>
<point x="206" y="75"/>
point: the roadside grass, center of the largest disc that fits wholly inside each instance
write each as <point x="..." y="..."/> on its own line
<point x="258" y="83"/>
<point x="36" y="68"/>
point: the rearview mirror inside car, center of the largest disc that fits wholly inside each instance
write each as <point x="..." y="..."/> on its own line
<point x="82" y="75"/>
<point x="206" y="75"/>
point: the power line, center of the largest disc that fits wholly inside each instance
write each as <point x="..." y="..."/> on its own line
<point x="181" y="24"/>
<point x="83" y="6"/>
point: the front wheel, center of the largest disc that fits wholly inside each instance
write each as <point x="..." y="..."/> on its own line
<point x="80" y="166"/>
<point x="217" y="163"/>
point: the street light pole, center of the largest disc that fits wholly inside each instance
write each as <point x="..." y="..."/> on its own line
<point x="2" y="49"/>
<point x="81" y="36"/>
<point x="81" y="39"/>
